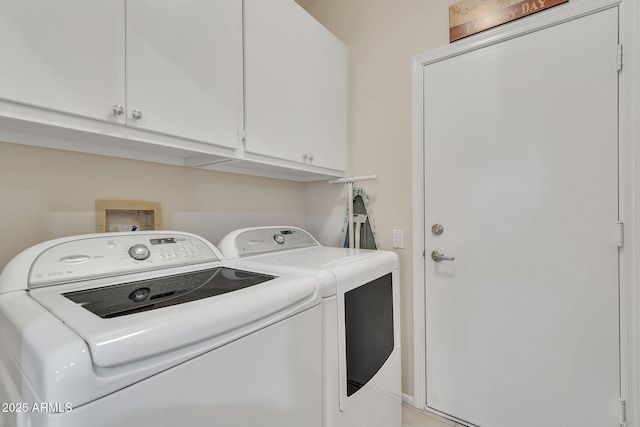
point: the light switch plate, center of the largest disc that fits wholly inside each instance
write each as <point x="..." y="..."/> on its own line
<point x="398" y="239"/>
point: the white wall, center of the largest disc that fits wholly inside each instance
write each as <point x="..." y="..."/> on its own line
<point x="47" y="193"/>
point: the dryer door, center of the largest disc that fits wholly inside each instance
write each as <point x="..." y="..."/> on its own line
<point x="368" y="328"/>
<point x="369" y="337"/>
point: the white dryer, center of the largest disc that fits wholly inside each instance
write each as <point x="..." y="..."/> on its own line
<point x="155" y="329"/>
<point x="361" y="314"/>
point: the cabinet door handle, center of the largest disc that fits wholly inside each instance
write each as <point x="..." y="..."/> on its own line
<point x="118" y="110"/>
<point x="311" y="157"/>
<point x="308" y="157"/>
<point x="137" y="114"/>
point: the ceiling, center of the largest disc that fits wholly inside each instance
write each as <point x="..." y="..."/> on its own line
<point x="305" y="3"/>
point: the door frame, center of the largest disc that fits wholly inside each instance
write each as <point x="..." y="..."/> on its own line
<point x="629" y="185"/>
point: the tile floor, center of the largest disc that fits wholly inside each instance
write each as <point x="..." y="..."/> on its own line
<point x="412" y="417"/>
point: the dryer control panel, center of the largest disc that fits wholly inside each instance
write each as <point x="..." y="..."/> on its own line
<point x="254" y="241"/>
<point x="94" y="256"/>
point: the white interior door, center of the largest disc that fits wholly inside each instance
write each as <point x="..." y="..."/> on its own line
<point x="521" y="172"/>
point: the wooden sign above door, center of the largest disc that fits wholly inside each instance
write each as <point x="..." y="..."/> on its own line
<point x="468" y="17"/>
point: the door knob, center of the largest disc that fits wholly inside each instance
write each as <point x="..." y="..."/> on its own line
<point x="438" y="256"/>
<point x="437" y="229"/>
<point x="137" y="114"/>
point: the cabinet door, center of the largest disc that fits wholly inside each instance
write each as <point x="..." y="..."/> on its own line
<point x="296" y="86"/>
<point x="53" y="59"/>
<point x="184" y="68"/>
<point x="275" y="79"/>
<point x="326" y="94"/>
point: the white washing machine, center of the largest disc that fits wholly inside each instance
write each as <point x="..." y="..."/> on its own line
<point x="361" y="314"/>
<point x="155" y="329"/>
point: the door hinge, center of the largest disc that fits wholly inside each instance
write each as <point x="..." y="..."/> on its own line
<point x="622" y="412"/>
<point x="620" y="234"/>
<point x="619" y="57"/>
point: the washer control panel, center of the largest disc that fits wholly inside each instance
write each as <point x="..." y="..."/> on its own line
<point x="95" y="256"/>
<point x="271" y="239"/>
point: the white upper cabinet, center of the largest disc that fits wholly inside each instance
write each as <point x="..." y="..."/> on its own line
<point x="181" y="74"/>
<point x="184" y="68"/>
<point x="64" y="55"/>
<point x="175" y="82"/>
<point x="295" y="86"/>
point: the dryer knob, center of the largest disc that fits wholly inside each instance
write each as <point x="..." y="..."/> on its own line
<point x="139" y="252"/>
<point x="279" y="238"/>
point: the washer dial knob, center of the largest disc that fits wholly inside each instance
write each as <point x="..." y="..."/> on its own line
<point x="279" y="238"/>
<point x="139" y="252"/>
